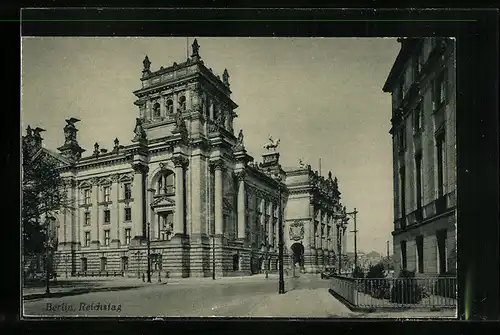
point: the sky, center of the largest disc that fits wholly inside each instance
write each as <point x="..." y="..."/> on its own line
<point x="322" y="97"/>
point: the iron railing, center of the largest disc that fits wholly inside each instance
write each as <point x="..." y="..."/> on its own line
<point x="397" y="293"/>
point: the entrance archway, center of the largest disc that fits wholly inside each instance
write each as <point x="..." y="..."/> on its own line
<point x="298" y="254"/>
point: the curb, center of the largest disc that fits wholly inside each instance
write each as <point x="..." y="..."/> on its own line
<point x="355" y="308"/>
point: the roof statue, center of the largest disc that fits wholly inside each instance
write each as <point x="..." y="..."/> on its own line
<point x="196" y="48"/>
<point x="301" y="164"/>
<point x="117" y="143"/>
<point x="239" y="142"/>
<point x="29" y="131"/>
<point x="96" y="149"/>
<point x="225" y="77"/>
<point x="329" y="175"/>
<point x="146" y="64"/>
<point x="70" y="130"/>
<point x="140" y="134"/>
<point x="271" y="145"/>
<point x="36" y="133"/>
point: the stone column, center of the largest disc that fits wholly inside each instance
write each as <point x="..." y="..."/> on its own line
<point x="219" y="166"/>
<point x="270" y="226"/>
<point x="95" y="224"/>
<point x="319" y="247"/>
<point x="137" y="195"/>
<point x="115" y="212"/>
<point x="163" y="110"/>
<point x="180" y="163"/>
<point x="241" y="205"/>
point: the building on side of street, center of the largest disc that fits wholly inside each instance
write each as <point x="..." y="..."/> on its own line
<point x="422" y="83"/>
<point x="188" y="183"/>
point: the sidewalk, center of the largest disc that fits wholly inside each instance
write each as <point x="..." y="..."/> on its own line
<point x="74" y="286"/>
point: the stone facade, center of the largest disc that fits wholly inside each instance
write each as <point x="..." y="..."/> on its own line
<point x="188" y="184"/>
<point x="422" y="83"/>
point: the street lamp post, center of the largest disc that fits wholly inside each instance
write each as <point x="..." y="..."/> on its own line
<point x="66" y="258"/>
<point x="138" y="254"/>
<point x="47" y="253"/>
<point x="281" y="289"/>
<point x="355" y="231"/>
<point x="149" y="252"/>
<point x="213" y="256"/>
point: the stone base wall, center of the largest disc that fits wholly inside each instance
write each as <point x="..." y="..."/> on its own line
<point x="178" y="259"/>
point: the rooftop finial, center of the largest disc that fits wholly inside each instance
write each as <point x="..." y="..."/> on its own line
<point x="196" y="48"/>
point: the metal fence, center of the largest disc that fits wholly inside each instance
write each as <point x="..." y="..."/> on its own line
<point x="100" y="274"/>
<point x="397" y="293"/>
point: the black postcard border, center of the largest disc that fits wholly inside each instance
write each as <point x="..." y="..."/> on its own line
<point x="477" y="133"/>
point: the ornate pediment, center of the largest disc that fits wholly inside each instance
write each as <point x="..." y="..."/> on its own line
<point x="46" y="155"/>
<point x="163" y="201"/>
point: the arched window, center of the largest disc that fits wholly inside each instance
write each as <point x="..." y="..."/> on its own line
<point x="156" y="110"/>
<point x="84" y="264"/>
<point x="170" y="106"/>
<point x="182" y="103"/>
<point x="166" y="182"/>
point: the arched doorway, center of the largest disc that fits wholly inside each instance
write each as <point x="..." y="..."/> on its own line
<point x="298" y="254"/>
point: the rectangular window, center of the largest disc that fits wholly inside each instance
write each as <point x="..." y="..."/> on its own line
<point x="440" y="164"/>
<point x="128" y="214"/>
<point x="107" y="216"/>
<point x="128" y="191"/>
<point x="107" y="194"/>
<point x="441" y="244"/>
<point x="402" y="192"/>
<point x="439" y="96"/>
<point x="418" y="177"/>
<point x="124" y="264"/>
<point x="404" y="263"/>
<point x="420" y="253"/>
<point x="417" y="118"/>
<point x="87" y="218"/>
<point x="127" y="236"/>
<point x="86" y="194"/>
<point x="104" y="262"/>
<point x="87" y="239"/>
<point x="106" y="237"/>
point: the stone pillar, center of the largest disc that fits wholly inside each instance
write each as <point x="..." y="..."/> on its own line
<point x="95" y="226"/>
<point x="270" y="226"/>
<point x="180" y="163"/>
<point x="219" y="166"/>
<point x="320" y="240"/>
<point x="137" y="207"/>
<point x="115" y="213"/>
<point x="241" y="206"/>
<point x="163" y="110"/>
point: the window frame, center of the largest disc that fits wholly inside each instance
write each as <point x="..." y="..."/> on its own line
<point x="107" y="237"/>
<point x="128" y="236"/>
<point x="127" y="217"/>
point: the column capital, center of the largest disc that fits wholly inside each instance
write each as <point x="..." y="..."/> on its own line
<point x="217" y="165"/>
<point x="240" y="175"/>
<point x="140" y="168"/>
<point x="180" y="161"/>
